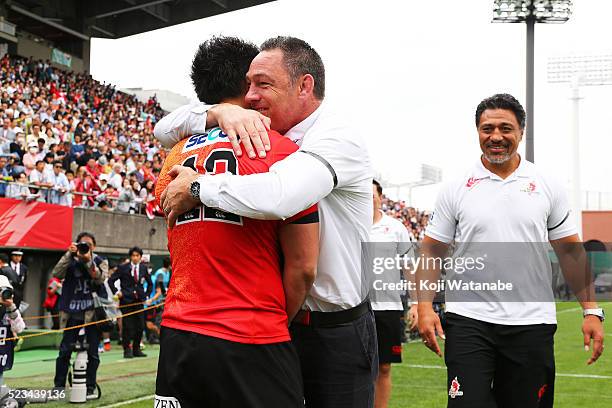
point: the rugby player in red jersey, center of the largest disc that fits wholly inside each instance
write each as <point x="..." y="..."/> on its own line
<point x="236" y="282"/>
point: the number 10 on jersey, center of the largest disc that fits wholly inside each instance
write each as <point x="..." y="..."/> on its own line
<point x="218" y="161"/>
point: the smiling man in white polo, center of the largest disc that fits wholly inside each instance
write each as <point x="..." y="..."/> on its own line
<point x="499" y="350"/>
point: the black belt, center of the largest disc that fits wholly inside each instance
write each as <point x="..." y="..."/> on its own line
<point x="319" y="319"/>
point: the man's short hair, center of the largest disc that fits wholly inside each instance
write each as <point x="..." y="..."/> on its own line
<point x="166" y="262"/>
<point x="219" y="68"/>
<point x="502" y="101"/>
<point x="300" y="59"/>
<point x="86" y="234"/>
<point x="135" y="249"/>
<point x="378" y="186"/>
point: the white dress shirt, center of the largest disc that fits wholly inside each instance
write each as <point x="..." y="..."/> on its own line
<point x="332" y="167"/>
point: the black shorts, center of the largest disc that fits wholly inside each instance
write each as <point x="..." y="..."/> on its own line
<point x="202" y="371"/>
<point x="389" y="333"/>
<point x="499" y="366"/>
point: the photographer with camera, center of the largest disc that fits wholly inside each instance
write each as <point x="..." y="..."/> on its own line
<point x="11" y="324"/>
<point x="83" y="272"/>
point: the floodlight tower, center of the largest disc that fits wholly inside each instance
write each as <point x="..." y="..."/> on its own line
<point x="579" y="71"/>
<point x="531" y="12"/>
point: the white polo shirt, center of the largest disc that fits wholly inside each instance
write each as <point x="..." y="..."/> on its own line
<point x="390" y="238"/>
<point x="528" y="206"/>
<point x="332" y="168"/>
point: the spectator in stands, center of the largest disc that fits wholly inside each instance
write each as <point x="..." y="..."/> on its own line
<point x="31" y="157"/>
<point x="60" y="186"/>
<point x="39" y="178"/>
<point x="126" y="202"/>
<point x="4" y="175"/>
<point x="19" y="190"/>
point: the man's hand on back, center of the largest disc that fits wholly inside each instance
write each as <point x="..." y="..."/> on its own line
<point x="249" y="125"/>
<point x="176" y="198"/>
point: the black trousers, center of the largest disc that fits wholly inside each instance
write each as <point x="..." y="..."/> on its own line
<point x="339" y="363"/>
<point x="202" y="371"/>
<point x="133" y="326"/>
<point x="62" y="363"/>
<point x="499" y="366"/>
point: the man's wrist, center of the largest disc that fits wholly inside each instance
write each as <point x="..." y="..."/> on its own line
<point x="597" y="312"/>
<point x="209" y="188"/>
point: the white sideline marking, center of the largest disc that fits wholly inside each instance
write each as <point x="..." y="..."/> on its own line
<point x="437" y="367"/>
<point x="575" y="309"/>
<point x="146" y="397"/>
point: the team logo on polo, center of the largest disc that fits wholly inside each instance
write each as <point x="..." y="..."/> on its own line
<point x="166" y="402"/>
<point x="529" y="188"/>
<point x="472" y="182"/>
<point x="454" y="391"/>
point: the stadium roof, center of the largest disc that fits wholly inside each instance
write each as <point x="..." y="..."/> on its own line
<point x="67" y="23"/>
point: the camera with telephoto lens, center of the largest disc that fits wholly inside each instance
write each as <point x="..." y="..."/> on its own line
<point x="6" y="293"/>
<point x="82" y="248"/>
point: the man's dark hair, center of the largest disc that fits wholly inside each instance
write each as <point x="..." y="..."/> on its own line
<point x="4" y="258"/>
<point x="502" y="101"/>
<point x="219" y="68"/>
<point x="300" y="59"/>
<point x="86" y="234"/>
<point x="136" y="249"/>
<point x="378" y="186"/>
<point x="166" y="262"/>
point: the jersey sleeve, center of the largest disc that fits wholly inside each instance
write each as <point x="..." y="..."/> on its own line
<point x="560" y="223"/>
<point x="442" y="221"/>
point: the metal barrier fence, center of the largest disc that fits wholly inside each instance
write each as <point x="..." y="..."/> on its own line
<point x="135" y="206"/>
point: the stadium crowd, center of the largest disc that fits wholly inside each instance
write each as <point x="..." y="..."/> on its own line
<point x="414" y="220"/>
<point x="68" y="139"/>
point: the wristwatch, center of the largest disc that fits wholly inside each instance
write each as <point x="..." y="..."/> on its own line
<point x="595" y="312"/>
<point x="195" y="190"/>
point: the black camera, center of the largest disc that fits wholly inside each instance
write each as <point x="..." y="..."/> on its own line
<point x="82" y="248"/>
<point x="6" y="293"/>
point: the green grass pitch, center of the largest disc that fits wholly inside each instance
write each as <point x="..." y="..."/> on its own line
<point x="419" y="382"/>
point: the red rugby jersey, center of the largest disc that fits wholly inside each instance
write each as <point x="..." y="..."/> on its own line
<point x="226" y="269"/>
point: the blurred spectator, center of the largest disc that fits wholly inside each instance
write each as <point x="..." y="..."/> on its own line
<point x="4" y="175"/>
<point x="414" y="220"/>
<point x="51" y="304"/>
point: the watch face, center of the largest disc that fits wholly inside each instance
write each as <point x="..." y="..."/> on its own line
<point x="195" y="190"/>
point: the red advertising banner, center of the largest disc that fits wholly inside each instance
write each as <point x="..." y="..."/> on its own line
<point x="35" y="224"/>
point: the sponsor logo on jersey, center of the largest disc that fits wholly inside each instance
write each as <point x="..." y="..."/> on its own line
<point x="453" y="391"/>
<point x="204" y="139"/>
<point x="166" y="402"/>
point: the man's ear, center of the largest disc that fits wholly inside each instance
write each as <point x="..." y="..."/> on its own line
<point x="306" y="85"/>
